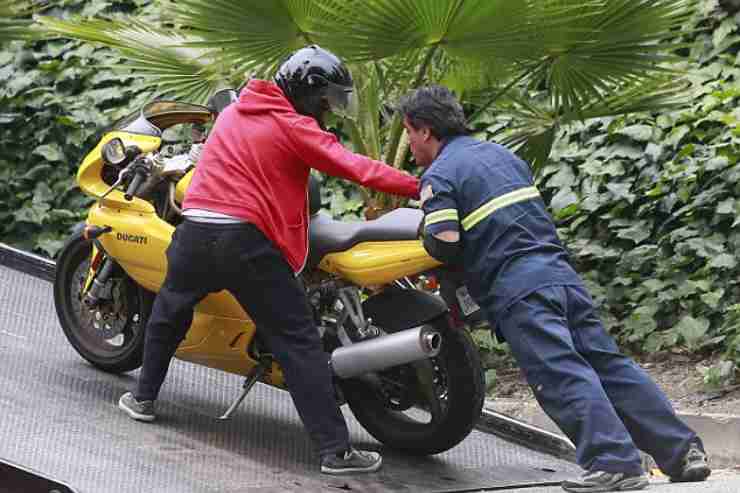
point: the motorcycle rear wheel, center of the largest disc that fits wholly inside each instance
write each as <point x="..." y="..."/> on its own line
<point x="415" y="426"/>
<point x="111" y="335"/>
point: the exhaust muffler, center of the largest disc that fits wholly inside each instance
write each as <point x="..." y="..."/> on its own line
<point x="386" y="351"/>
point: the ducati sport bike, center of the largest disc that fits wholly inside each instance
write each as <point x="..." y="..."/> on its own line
<point x="403" y="358"/>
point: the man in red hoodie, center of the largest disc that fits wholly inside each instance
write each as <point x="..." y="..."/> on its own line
<point x="246" y="230"/>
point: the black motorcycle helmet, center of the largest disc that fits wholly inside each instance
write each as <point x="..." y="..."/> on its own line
<point x="315" y="81"/>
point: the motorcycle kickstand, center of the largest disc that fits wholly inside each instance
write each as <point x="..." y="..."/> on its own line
<point x="264" y="364"/>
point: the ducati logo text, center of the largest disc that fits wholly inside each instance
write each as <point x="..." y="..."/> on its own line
<point x="141" y="240"/>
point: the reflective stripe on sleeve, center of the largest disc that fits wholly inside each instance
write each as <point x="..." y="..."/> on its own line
<point x="441" y="216"/>
<point x="493" y="205"/>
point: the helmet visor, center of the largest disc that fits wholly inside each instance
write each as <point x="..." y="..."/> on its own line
<point x="342" y="100"/>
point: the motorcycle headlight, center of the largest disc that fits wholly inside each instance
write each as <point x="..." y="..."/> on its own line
<point x="114" y="152"/>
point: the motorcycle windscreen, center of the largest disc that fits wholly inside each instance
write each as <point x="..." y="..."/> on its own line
<point x="158" y="116"/>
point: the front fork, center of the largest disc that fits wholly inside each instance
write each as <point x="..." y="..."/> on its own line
<point x="91" y="293"/>
<point x="101" y="267"/>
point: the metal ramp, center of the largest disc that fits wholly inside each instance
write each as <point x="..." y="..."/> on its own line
<point x="59" y="417"/>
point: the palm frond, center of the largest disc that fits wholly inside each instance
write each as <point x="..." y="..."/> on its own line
<point x="529" y="122"/>
<point x="375" y="29"/>
<point x="13" y="24"/>
<point x="660" y="94"/>
<point x="250" y="35"/>
<point x="397" y="72"/>
<point x="507" y="30"/>
<point x="474" y="81"/>
<point x="159" y="56"/>
<point x="615" y="43"/>
<point x="530" y="127"/>
<point x="591" y="57"/>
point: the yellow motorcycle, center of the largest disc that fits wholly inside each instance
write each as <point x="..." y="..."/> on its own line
<point x="410" y="374"/>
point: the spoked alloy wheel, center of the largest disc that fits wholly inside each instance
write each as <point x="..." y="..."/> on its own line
<point x="426" y="407"/>
<point x="109" y="335"/>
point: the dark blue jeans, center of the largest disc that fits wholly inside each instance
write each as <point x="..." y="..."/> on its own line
<point x="207" y="258"/>
<point x="606" y="404"/>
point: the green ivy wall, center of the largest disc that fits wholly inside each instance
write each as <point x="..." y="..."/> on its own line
<point x="649" y="205"/>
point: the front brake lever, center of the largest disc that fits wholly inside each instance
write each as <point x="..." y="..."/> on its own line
<point x="121" y="176"/>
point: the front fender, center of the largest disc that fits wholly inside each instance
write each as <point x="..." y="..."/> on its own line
<point x="398" y="309"/>
<point x="74" y="233"/>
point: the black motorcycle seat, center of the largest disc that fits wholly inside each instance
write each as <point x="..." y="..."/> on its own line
<point x="327" y="235"/>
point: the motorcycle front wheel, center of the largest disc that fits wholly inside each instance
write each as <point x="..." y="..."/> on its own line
<point x="427" y="407"/>
<point x="109" y="335"/>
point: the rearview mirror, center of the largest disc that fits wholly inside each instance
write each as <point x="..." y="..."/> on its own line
<point x="114" y="152"/>
<point x="221" y="99"/>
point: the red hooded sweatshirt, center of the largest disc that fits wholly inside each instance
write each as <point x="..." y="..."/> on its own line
<point x="255" y="166"/>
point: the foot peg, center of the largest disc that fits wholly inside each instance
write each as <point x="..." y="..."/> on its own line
<point x="262" y="367"/>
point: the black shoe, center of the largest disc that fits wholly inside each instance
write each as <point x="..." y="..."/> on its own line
<point x="351" y="462"/>
<point x="601" y="481"/>
<point x="138" y="410"/>
<point x="695" y="466"/>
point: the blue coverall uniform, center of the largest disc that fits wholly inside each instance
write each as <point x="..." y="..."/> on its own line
<point x="517" y="270"/>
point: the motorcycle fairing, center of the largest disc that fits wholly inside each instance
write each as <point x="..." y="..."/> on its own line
<point x="88" y="176"/>
<point x="144" y="129"/>
<point x="221" y="332"/>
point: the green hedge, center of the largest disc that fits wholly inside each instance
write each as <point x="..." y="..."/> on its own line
<point x="648" y="206"/>
<point x="55" y="98"/>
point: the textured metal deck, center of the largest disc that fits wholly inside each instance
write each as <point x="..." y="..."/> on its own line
<point x="58" y="415"/>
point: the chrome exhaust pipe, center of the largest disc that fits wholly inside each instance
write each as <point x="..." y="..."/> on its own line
<point x="386" y="351"/>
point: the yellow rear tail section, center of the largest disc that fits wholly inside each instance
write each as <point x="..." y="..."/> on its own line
<point x="378" y="263"/>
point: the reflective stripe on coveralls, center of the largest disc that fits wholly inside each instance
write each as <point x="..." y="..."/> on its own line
<point x="441" y="216"/>
<point x="500" y="202"/>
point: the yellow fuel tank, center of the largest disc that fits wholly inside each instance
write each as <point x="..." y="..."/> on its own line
<point x="183" y="185"/>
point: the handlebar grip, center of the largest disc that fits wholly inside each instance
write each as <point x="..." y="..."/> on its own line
<point x="134" y="186"/>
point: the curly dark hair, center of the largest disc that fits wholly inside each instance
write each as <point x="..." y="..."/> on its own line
<point x="437" y="108"/>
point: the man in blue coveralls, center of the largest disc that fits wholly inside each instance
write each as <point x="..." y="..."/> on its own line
<point x="483" y="211"/>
